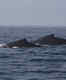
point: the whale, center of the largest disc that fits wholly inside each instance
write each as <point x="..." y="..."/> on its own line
<point x="19" y="44"/>
<point x="41" y="42"/>
<point x="50" y="39"/>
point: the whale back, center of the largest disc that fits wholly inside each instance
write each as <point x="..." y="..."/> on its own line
<point x="51" y="40"/>
<point x="18" y="43"/>
<point x="22" y="43"/>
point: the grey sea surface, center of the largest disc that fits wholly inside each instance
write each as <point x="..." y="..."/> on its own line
<point x="47" y="63"/>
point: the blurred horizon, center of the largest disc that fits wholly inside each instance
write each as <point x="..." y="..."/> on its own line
<point x="32" y="26"/>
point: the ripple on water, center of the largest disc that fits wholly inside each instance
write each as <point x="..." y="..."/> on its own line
<point x="33" y="64"/>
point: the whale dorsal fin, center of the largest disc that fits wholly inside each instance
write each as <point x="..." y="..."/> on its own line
<point x="50" y="36"/>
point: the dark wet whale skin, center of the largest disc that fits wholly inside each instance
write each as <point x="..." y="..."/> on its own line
<point x="22" y="43"/>
<point x="51" y="40"/>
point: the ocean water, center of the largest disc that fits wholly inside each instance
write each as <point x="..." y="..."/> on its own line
<point x="47" y="63"/>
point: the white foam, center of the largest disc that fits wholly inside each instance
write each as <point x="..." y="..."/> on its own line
<point x="1" y="45"/>
<point x="14" y="47"/>
<point x="37" y="43"/>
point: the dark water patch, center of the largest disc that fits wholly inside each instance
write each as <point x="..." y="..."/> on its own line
<point x="55" y="53"/>
<point x="36" y="60"/>
<point x="3" y="73"/>
<point x="33" y="79"/>
<point x="44" y="72"/>
<point x="4" y="56"/>
<point x="60" y="77"/>
<point x="55" y="60"/>
<point x="18" y="64"/>
<point x="49" y="60"/>
<point x="9" y="78"/>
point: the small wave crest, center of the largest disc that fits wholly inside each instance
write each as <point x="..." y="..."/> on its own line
<point x="2" y="45"/>
<point x="15" y="47"/>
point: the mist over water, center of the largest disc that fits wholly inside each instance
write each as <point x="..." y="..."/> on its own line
<point x="47" y="63"/>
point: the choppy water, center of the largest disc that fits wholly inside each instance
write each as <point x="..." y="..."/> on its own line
<point x="48" y="63"/>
